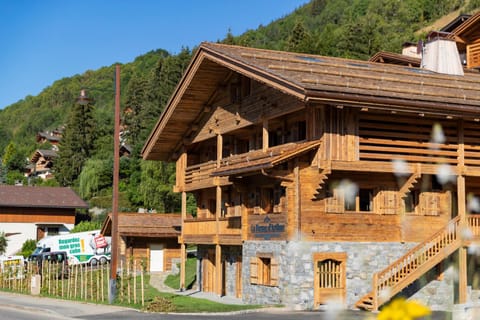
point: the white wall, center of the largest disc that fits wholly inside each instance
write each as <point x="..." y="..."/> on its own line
<point x="27" y="231"/>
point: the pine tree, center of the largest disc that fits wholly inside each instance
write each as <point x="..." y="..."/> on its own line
<point x="77" y="143"/>
<point x="137" y="89"/>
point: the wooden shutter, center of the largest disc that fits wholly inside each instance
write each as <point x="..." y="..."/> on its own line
<point x="430" y="203"/>
<point x="254" y="270"/>
<point x="273" y="272"/>
<point x="387" y="202"/>
<point x="335" y="203"/>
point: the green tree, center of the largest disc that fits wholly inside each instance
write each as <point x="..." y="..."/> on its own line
<point x="135" y="104"/>
<point x="96" y="175"/>
<point x="156" y="184"/>
<point x="300" y="39"/>
<point x="77" y="142"/>
<point x="3" y="243"/>
<point x="86" y="226"/>
<point x="28" y="247"/>
<point x="13" y="159"/>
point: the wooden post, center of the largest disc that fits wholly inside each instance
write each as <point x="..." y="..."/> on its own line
<point x="183" y="255"/>
<point x="265" y="135"/>
<point x="296" y="172"/>
<point x="462" y="211"/>
<point x="183" y="258"/>
<point x="218" y="269"/>
<point x="219" y="149"/>
<point x="115" y="195"/>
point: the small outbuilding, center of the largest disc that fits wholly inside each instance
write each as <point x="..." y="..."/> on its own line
<point x="150" y="238"/>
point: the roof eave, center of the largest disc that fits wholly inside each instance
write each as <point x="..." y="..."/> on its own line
<point x="393" y="104"/>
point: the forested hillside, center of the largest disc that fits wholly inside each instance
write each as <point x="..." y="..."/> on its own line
<point x="345" y="28"/>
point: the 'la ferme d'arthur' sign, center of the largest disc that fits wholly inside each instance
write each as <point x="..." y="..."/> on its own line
<point x="267" y="227"/>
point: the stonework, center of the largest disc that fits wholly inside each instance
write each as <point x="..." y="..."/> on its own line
<point x="296" y="273"/>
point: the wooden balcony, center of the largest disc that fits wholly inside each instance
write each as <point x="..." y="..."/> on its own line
<point x="199" y="176"/>
<point x="204" y="231"/>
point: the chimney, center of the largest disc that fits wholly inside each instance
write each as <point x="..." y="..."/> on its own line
<point x="441" y="54"/>
<point x="410" y="49"/>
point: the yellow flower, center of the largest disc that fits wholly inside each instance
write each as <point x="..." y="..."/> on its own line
<point x="401" y="309"/>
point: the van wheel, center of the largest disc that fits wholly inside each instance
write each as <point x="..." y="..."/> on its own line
<point x="94" y="261"/>
<point x="103" y="260"/>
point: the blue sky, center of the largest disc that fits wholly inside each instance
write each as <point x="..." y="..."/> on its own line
<point x="45" y="40"/>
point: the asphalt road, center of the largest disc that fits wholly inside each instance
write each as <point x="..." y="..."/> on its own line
<point x="24" y="307"/>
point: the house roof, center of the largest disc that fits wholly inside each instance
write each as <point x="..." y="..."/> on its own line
<point x="48" y="136"/>
<point x="452" y="25"/>
<point x="40" y="197"/>
<point x="47" y="154"/>
<point x="260" y="160"/>
<point x="313" y="78"/>
<point x="467" y="29"/>
<point x="150" y="225"/>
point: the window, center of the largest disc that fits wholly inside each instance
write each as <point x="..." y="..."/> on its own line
<point x="264" y="270"/>
<point x="365" y="199"/>
<point x="52" y="231"/>
<point x="362" y="200"/>
<point x="411" y="201"/>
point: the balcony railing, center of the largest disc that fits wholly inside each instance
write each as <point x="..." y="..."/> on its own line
<point x="205" y="229"/>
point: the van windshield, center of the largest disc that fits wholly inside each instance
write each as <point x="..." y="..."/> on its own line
<point x="37" y="251"/>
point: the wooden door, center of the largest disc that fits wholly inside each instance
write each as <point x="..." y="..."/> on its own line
<point x="156" y="258"/>
<point x="40" y="233"/>
<point x="208" y="271"/>
<point x="330" y="278"/>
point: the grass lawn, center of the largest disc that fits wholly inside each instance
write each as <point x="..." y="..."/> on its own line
<point x="180" y="303"/>
<point x="195" y="305"/>
<point x="173" y="280"/>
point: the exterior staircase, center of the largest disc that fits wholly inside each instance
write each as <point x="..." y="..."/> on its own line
<point x="408" y="268"/>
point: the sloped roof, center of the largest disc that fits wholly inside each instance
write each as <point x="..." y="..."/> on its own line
<point x="47" y="154"/>
<point x="310" y="78"/>
<point x="48" y="136"/>
<point x="40" y="197"/>
<point x="467" y="29"/>
<point x="150" y="225"/>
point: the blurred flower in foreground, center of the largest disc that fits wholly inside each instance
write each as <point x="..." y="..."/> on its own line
<point x="401" y="309"/>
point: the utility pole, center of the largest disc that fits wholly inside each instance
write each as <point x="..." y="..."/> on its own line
<point x="116" y="167"/>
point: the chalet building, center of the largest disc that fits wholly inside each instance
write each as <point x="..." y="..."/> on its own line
<point x="150" y="238"/>
<point x="321" y="179"/>
<point x="41" y="164"/>
<point x="53" y="137"/>
<point x="35" y="212"/>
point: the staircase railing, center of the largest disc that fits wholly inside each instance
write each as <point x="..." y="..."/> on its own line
<point x="473" y="222"/>
<point x="415" y="262"/>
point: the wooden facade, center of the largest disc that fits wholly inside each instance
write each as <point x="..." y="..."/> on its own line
<point x="282" y="147"/>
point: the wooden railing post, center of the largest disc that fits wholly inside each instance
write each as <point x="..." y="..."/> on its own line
<point x="375" y="292"/>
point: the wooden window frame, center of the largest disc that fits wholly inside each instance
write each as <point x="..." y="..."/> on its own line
<point x="264" y="270"/>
